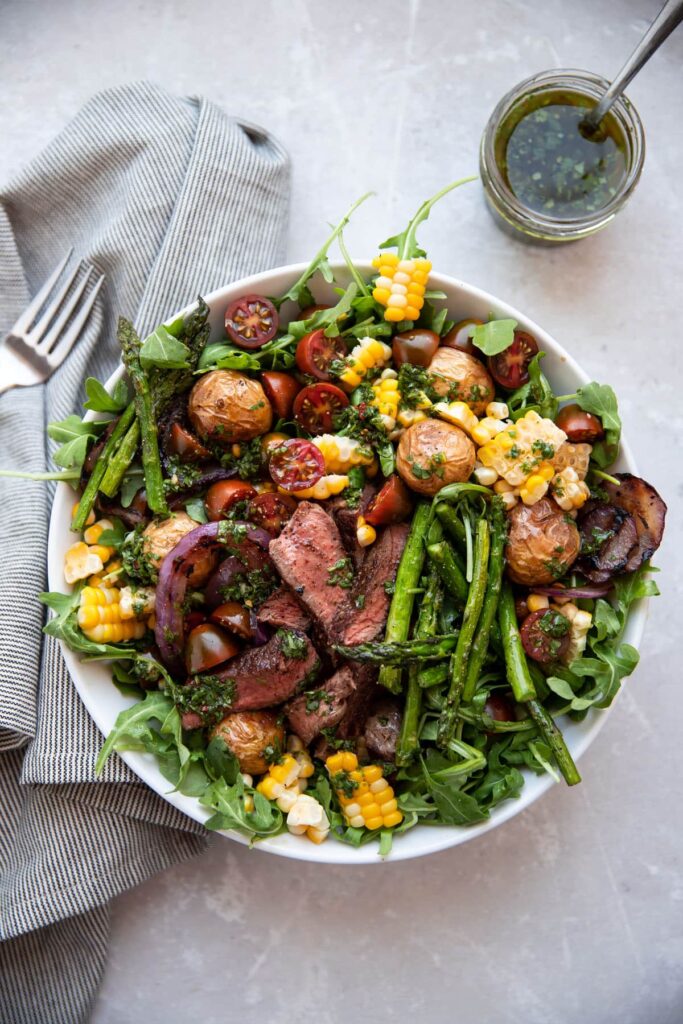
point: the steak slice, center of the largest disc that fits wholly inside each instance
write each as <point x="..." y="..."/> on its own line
<point x="347" y="518"/>
<point x="311" y="712"/>
<point x="265" y="676"/>
<point x="351" y="724"/>
<point x="306" y="554"/>
<point x="382" y="729"/>
<point x="379" y="568"/>
<point x="283" y="608"/>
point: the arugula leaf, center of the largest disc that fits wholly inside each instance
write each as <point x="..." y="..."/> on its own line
<point x="99" y="399"/>
<point x="195" y="510"/>
<point x="115" y="537"/>
<point x="227" y="802"/>
<point x="220" y="761"/>
<point x="75" y="436"/>
<point x="406" y="242"/>
<point x="536" y="394"/>
<point x="601" y="400"/>
<point x="494" y="336"/>
<point x="131" y="484"/>
<point x="163" y="350"/>
<point x="226" y="357"/>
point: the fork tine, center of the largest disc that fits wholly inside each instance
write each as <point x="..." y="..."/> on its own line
<point x="52" y="335"/>
<point x="67" y="340"/>
<point x="28" y="316"/>
<point x="34" y="336"/>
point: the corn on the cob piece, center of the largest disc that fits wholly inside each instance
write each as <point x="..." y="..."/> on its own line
<point x="581" y="623"/>
<point x="406" y="417"/>
<point x="100" y="619"/>
<point x="400" y="286"/>
<point x="368" y="354"/>
<point x="92" y="534"/>
<point x="136" y="602"/>
<point x="365" y="533"/>
<point x="81" y="561"/>
<point x="568" y="491"/>
<point x="458" y="413"/>
<point x="108" y="578"/>
<point x="536" y="484"/>
<point x="518" y="451"/>
<point x="341" y="453"/>
<point x="285" y="783"/>
<point x="575" y="455"/>
<point x="497" y="410"/>
<point x="366" y="797"/>
<point x="326" y="487"/>
<point x="386" y="400"/>
<point x="487" y="428"/>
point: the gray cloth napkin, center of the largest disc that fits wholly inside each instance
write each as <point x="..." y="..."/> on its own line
<point x="169" y="198"/>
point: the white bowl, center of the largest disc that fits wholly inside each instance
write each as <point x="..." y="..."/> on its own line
<point x="104" y="701"/>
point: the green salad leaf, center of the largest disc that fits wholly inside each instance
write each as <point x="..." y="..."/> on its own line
<point x="536" y="394"/>
<point x="75" y="436"/>
<point x="99" y="399"/>
<point x="494" y="336"/>
<point x="601" y="400"/>
<point x="163" y="350"/>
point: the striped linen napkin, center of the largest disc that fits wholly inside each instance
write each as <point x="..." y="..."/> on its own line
<point x="169" y="198"/>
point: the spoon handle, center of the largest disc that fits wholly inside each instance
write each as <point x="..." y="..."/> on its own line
<point x="666" y="21"/>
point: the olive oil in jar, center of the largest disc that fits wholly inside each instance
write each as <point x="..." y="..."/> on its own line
<point x="548" y="163"/>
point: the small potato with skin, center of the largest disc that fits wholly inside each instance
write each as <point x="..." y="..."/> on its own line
<point x="432" y="454"/>
<point x="462" y="376"/>
<point x="542" y="543"/>
<point x="247" y="734"/>
<point x="226" y="406"/>
<point x="162" y="535"/>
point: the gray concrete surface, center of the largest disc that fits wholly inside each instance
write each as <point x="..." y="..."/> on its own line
<point x="571" y="913"/>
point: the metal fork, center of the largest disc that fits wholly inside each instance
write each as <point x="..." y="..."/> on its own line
<point x="48" y="329"/>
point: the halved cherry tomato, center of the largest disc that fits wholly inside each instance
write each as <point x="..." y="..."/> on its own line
<point x="316" y="406"/>
<point x="315" y="352"/>
<point x="500" y="708"/>
<point x="221" y="496"/>
<point x="392" y="504"/>
<point x="208" y="646"/>
<point x="459" y="335"/>
<point x="417" y="347"/>
<point x="510" y="368"/>
<point x="233" y="617"/>
<point x="271" y="511"/>
<point x="308" y="311"/>
<point x="281" y="390"/>
<point x="186" y="446"/>
<point x="546" y="635"/>
<point x="296" y="464"/>
<point x="193" y="619"/>
<point x="579" y="426"/>
<point x="251" y="321"/>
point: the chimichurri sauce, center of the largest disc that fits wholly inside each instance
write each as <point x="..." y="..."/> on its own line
<point x="550" y="166"/>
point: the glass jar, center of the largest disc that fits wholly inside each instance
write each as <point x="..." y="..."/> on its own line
<point x="513" y="215"/>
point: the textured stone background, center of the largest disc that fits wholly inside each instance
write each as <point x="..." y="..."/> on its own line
<point x="571" y="913"/>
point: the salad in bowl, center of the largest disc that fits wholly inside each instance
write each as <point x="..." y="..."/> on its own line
<point x="357" y="564"/>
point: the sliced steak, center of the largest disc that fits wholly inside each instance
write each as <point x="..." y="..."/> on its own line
<point x="642" y="501"/>
<point x="357" y="708"/>
<point x="283" y="608"/>
<point x="315" y="710"/>
<point x="379" y="569"/>
<point x="382" y="729"/>
<point x="608" y="537"/>
<point x="309" y="555"/>
<point x="346" y="519"/>
<point x="265" y="676"/>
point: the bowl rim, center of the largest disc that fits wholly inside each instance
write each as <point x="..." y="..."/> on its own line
<point x="144" y="766"/>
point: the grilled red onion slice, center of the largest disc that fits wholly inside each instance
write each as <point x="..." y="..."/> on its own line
<point x="591" y="590"/>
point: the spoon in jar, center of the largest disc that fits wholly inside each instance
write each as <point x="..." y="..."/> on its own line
<point x="666" y="21"/>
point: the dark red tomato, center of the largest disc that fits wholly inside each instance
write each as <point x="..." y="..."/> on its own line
<point x="416" y="347"/>
<point x="546" y="635"/>
<point x="222" y="496"/>
<point x="579" y="426"/>
<point x="193" y="619"/>
<point x="510" y="368"/>
<point x="521" y="608"/>
<point x="315" y="352"/>
<point x="459" y="336"/>
<point x="271" y="511"/>
<point x="308" y="311"/>
<point x="500" y="708"/>
<point x="281" y="390"/>
<point x="296" y="464"/>
<point x="392" y="504"/>
<point x="208" y="646"/>
<point x="186" y="446"/>
<point x="251" y="321"/>
<point x="233" y="617"/>
<point x="316" y="406"/>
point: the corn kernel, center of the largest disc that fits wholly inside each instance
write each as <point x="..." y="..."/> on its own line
<point x="317" y="835"/>
<point x="395" y="818"/>
<point x="497" y="410"/>
<point x="485" y="475"/>
<point x="365" y="533"/>
<point x="91" y="515"/>
<point x="537" y="602"/>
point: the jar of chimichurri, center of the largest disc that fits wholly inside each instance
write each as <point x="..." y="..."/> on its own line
<point x="544" y="179"/>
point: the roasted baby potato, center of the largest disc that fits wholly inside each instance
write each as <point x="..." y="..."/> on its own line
<point x="542" y="543"/>
<point x="462" y="378"/>
<point x="432" y="454"/>
<point x="248" y="733"/>
<point x="225" y="406"/>
<point x="162" y="535"/>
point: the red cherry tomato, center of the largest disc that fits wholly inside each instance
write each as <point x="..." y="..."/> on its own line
<point x="579" y="426"/>
<point x="392" y="504"/>
<point x="296" y="464"/>
<point x="459" y="336"/>
<point x="315" y="352"/>
<point x="510" y="368"/>
<point x="281" y="390"/>
<point x="233" y="617"/>
<point x="546" y="635"/>
<point x="221" y="496"/>
<point x="186" y="446"/>
<point x="271" y="511"/>
<point x="316" y="406"/>
<point x="208" y="646"/>
<point x="417" y="347"/>
<point x="500" y="708"/>
<point x="193" y="619"/>
<point x="251" y="321"/>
